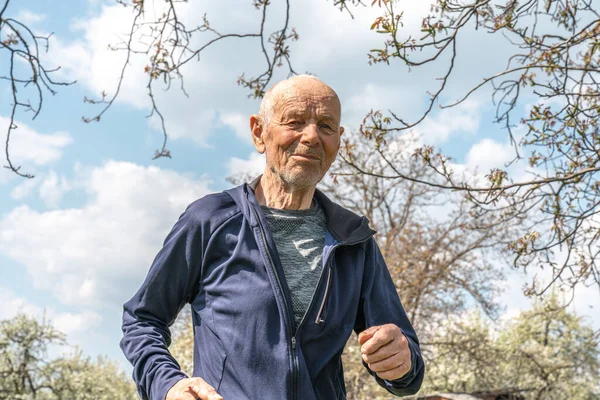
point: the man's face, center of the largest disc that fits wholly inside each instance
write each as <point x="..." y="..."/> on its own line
<point x="303" y="136"/>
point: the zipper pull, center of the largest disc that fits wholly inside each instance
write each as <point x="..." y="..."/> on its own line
<point x="293" y="343"/>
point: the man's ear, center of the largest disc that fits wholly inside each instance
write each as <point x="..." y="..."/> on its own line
<point x="341" y="133"/>
<point x="257" y="130"/>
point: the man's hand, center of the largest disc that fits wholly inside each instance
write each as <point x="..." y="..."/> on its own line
<point x="192" y="389"/>
<point x="385" y="350"/>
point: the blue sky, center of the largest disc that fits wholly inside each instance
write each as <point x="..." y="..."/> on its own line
<point x="76" y="241"/>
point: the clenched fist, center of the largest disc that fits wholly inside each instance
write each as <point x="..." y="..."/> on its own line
<point x="385" y="350"/>
<point x="192" y="389"/>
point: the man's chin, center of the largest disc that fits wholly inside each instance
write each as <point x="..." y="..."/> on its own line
<point x="304" y="179"/>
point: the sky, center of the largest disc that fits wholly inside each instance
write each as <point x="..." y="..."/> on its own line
<point x="77" y="240"/>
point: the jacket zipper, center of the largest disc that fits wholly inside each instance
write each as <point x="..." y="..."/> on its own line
<point x="320" y="320"/>
<point x="294" y="340"/>
<point x="295" y="370"/>
<point x="289" y="323"/>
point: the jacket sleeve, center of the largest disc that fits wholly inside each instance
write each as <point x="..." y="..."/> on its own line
<point x="170" y="283"/>
<point x="380" y="305"/>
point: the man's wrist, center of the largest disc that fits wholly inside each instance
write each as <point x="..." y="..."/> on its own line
<point x="169" y="383"/>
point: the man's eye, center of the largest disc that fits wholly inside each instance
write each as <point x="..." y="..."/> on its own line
<point x="326" y="126"/>
<point x="294" y="122"/>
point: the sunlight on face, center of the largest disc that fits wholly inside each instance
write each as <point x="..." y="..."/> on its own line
<point x="303" y="136"/>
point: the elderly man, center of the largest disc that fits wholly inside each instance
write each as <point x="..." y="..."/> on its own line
<point x="277" y="275"/>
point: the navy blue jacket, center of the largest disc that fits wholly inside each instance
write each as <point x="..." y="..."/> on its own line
<point x="221" y="258"/>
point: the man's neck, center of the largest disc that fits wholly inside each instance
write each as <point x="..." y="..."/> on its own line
<point x="272" y="192"/>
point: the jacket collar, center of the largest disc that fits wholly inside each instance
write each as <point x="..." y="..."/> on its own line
<point x="344" y="225"/>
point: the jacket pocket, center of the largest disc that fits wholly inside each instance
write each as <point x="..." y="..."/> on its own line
<point x="212" y="356"/>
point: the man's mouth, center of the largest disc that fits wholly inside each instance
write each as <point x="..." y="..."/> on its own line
<point x="307" y="157"/>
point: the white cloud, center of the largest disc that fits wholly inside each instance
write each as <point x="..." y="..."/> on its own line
<point x="96" y="3"/>
<point x="246" y="168"/>
<point x="512" y="296"/>
<point x="24" y="189"/>
<point x="30" y="147"/>
<point x="587" y="303"/>
<point x="89" y="60"/>
<point x="374" y="96"/>
<point x="329" y="38"/>
<point x="189" y="123"/>
<point x="72" y="324"/>
<point x="13" y="304"/>
<point x="98" y="253"/>
<point x="332" y="45"/>
<point x="211" y="85"/>
<point x="239" y="123"/>
<point x="29" y="18"/>
<point x="6" y="176"/>
<point x="463" y="118"/>
<point x="488" y="153"/>
<point x="48" y="185"/>
<point x="53" y="189"/>
<point x="436" y="129"/>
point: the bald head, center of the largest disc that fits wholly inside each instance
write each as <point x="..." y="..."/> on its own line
<point x="288" y="87"/>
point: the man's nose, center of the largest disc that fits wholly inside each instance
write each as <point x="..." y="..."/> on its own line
<point x="310" y="134"/>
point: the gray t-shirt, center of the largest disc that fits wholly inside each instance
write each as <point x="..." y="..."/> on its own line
<point x="299" y="236"/>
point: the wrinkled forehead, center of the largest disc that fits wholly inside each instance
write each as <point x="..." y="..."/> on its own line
<point x="315" y="98"/>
